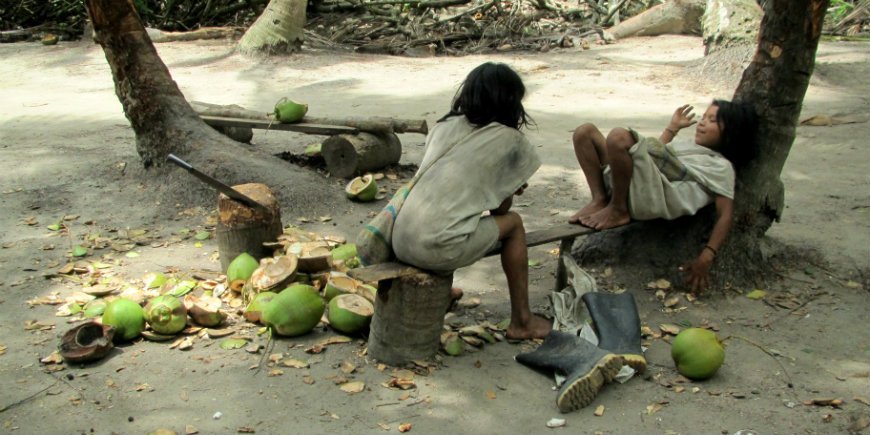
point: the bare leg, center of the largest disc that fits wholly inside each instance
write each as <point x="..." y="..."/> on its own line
<point x="619" y="141"/>
<point x="515" y="262"/>
<point x="590" y="149"/>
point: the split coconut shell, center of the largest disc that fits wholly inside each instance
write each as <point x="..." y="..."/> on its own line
<point x="204" y="310"/>
<point x="339" y="284"/>
<point x="363" y="189"/>
<point x="313" y="256"/>
<point x="350" y="313"/>
<point x="87" y="342"/>
<point x="274" y="273"/>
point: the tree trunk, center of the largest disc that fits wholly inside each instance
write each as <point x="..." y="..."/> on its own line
<point x="409" y="317"/>
<point x="672" y="17"/>
<point x="775" y="82"/>
<point x="279" y="29"/>
<point x="165" y="123"/>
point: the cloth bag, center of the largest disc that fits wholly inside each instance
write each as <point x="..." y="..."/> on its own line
<point x="374" y="243"/>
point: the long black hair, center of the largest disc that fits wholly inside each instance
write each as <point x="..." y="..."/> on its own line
<point x="738" y="123"/>
<point x="492" y="92"/>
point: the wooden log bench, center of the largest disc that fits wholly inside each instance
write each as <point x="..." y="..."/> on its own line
<point x="354" y="146"/>
<point x="411" y="302"/>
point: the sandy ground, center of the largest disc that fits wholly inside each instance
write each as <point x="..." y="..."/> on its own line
<point x="64" y="144"/>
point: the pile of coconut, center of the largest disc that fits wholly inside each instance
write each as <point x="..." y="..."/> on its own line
<point x="289" y="294"/>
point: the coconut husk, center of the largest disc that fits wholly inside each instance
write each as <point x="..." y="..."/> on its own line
<point x="87" y="342"/>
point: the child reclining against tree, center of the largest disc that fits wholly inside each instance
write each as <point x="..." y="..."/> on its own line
<point x="634" y="177"/>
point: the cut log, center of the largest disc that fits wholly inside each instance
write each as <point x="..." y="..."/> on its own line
<point x="673" y="17"/>
<point x="409" y="316"/>
<point x="243" y="229"/>
<point x="193" y="35"/>
<point x="347" y="155"/>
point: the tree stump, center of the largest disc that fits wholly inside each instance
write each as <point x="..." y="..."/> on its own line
<point x="409" y="316"/>
<point x="347" y="155"/>
<point x="243" y="229"/>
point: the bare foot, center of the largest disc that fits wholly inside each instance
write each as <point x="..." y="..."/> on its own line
<point x="587" y="210"/>
<point x="608" y="217"/>
<point x="535" y="327"/>
<point x="455" y="295"/>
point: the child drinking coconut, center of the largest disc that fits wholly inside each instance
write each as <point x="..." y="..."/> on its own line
<point x="476" y="160"/>
<point x="633" y="177"/>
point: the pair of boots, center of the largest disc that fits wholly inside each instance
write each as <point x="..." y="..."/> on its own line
<point x="588" y="367"/>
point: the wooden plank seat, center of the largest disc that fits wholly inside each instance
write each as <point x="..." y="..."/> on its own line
<point x="320" y="129"/>
<point x="564" y="233"/>
<point x="411" y="302"/>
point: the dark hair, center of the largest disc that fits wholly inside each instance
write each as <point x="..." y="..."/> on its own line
<point x="492" y="92"/>
<point x="738" y="123"/>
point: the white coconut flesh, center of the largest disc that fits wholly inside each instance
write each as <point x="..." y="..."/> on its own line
<point x="359" y="184"/>
<point x="357" y="305"/>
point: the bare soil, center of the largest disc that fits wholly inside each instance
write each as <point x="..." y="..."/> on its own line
<point x="69" y="152"/>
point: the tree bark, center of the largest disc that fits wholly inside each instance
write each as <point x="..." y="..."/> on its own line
<point x="409" y="317"/>
<point x="775" y="83"/>
<point x="279" y="29"/>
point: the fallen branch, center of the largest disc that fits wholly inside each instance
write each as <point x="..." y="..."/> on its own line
<point x="202" y="33"/>
<point x="468" y="11"/>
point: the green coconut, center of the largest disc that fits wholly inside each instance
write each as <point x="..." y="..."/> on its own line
<point x="287" y="110"/>
<point x="698" y="353"/>
<point x="313" y="150"/>
<point x="126" y="316"/>
<point x="254" y="310"/>
<point x="295" y="311"/>
<point x="344" y="252"/>
<point x="166" y="314"/>
<point x="50" y="39"/>
<point x="349" y="313"/>
<point x="452" y="343"/>
<point x="339" y="284"/>
<point x="240" y="270"/>
<point x="362" y="189"/>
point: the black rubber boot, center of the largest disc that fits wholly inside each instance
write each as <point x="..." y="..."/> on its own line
<point x="586" y="367"/>
<point x="617" y="325"/>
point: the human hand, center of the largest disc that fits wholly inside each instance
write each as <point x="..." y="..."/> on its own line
<point x="698" y="272"/>
<point x="521" y="189"/>
<point x="682" y="117"/>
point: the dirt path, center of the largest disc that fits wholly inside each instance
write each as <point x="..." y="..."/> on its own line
<point x="66" y="147"/>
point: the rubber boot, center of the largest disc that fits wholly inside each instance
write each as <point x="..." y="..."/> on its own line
<point x="617" y="325"/>
<point x="586" y="367"/>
